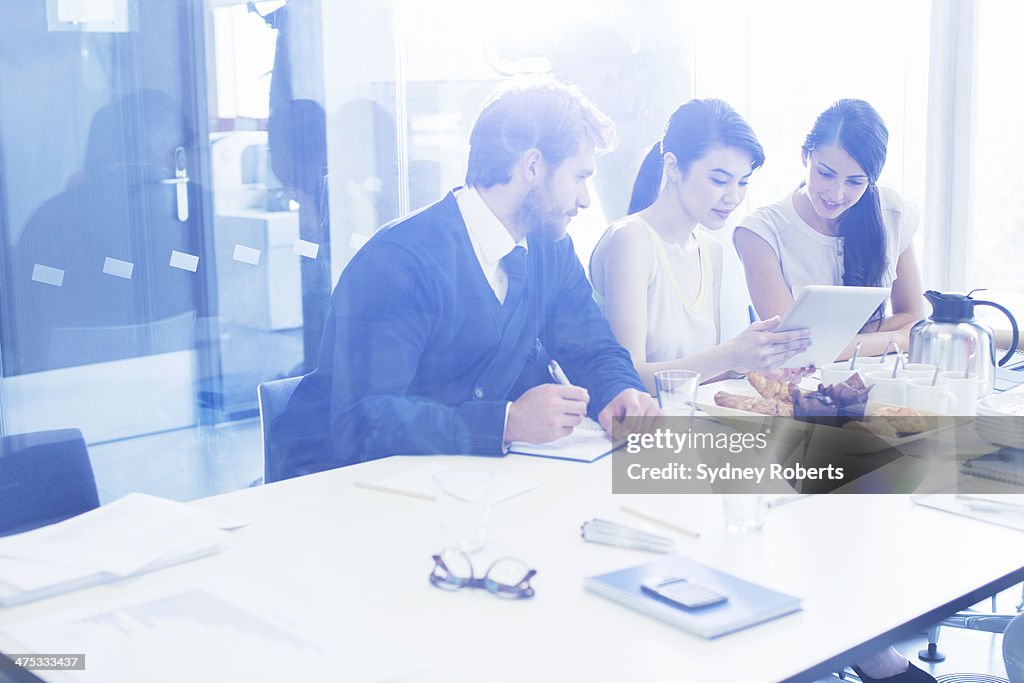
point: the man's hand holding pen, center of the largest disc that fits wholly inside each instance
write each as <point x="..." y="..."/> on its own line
<point x="545" y="413"/>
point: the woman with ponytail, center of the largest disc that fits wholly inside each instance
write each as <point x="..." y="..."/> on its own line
<point x="838" y="228"/>
<point x="658" y="278"/>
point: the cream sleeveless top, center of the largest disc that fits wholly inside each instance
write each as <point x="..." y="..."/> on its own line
<point x="676" y="326"/>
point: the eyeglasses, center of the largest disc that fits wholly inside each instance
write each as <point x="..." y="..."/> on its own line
<point x="507" y="577"/>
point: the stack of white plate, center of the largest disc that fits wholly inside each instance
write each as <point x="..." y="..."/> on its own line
<point x="1000" y="419"/>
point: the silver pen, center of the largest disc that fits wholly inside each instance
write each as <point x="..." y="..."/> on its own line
<point x="605" y="526"/>
<point x="981" y="504"/>
<point x="556" y="372"/>
<point x="607" y="533"/>
<point x="785" y="500"/>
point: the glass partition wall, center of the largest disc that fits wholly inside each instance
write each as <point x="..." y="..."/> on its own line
<point x="109" y="309"/>
<point x="183" y="181"/>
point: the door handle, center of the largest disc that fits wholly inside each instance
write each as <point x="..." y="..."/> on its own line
<point x="180" y="182"/>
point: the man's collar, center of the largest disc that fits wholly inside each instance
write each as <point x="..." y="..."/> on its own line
<point x="487" y="230"/>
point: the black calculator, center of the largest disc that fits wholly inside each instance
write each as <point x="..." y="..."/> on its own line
<point x="682" y="591"/>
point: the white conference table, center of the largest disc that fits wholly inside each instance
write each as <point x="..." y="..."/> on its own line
<point x="870" y="569"/>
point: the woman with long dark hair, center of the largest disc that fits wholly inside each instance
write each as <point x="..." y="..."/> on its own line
<point x="658" y="278"/>
<point x="838" y="228"/>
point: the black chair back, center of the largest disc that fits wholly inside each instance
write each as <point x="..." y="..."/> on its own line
<point x="45" y="477"/>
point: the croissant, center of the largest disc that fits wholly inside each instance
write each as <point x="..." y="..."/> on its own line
<point x="774" y="384"/>
<point x="754" y="404"/>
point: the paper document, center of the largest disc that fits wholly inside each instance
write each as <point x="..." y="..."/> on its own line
<point x="120" y="537"/>
<point x="134" y="534"/>
<point x="419" y="483"/>
<point x="194" y="632"/>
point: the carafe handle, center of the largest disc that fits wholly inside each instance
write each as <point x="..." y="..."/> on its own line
<point x="1013" y="325"/>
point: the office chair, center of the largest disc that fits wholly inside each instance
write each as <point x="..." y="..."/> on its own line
<point x="1013" y="659"/>
<point x="990" y="622"/>
<point x="45" y="477"/>
<point x="1013" y="649"/>
<point x="272" y="398"/>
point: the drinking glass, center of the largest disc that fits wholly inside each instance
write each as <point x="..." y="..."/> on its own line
<point x="744" y="512"/>
<point x="463" y="507"/>
<point x="677" y="391"/>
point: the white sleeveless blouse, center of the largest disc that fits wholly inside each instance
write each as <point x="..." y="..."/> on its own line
<point x="676" y="327"/>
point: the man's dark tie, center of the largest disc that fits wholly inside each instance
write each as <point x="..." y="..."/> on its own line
<point x="514" y="263"/>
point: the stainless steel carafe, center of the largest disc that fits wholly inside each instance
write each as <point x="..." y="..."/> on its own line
<point x="953" y="340"/>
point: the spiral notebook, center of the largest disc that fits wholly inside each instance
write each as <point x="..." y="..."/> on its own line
<point x="1006" y="465"/>
<point x="746" y="603"/>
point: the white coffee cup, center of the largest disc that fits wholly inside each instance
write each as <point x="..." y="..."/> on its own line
<point x="930" y="398"/>
<point x="966" y="389"/>
<point x="834" y="373"/>
<point x="915" y="370"/>
<point x="877" y="364"/>
<point x="885" y="388"/>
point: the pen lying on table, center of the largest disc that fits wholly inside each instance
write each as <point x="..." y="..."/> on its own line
<point x="610" y="533"/>
<point x="985" y="504"/>
<point x="785" y="500"/>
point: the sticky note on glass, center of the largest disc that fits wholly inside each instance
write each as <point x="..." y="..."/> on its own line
<point x="81" y="11"/>
<point x="118" y="268"/>
<point x="180" y="259"/>
<point x="307" y="249"/>
<point x="247" y="255"/>
<point x="48" y="275"/>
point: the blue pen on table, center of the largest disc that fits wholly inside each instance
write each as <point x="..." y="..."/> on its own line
<point x="556" y="372"/>
<point x="609" y="533"/>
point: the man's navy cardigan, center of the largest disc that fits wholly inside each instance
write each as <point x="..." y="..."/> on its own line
<point x="412" y="359"/>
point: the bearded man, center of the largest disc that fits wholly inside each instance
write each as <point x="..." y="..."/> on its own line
<point x="442" y="326"/>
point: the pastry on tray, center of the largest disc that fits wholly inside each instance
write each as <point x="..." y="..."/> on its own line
<point x="754" y="404"/>
<point x="905" y="420"/>
<point x="832" y="405"/>
<point x="874" y="425"/>
<point x="774" y="384"/>
<point x="840" y="405"/>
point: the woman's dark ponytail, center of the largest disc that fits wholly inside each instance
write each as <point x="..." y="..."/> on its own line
<point x="648" y="180"/>
<point x="864" y="247"/>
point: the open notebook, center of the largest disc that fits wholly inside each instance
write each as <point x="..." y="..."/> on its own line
<point x="587" y="443"/>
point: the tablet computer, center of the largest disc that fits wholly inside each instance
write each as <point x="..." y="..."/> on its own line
<point x="834" y="315"/>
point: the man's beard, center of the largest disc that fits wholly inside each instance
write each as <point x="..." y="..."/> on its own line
<point x="538" y="215"/>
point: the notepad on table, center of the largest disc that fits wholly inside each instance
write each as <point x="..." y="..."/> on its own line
<point x="746" y="603"/>
<point x="587" y="443"/>
<point x="1006" y="465"/>
<point x="419" y="483"/>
